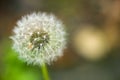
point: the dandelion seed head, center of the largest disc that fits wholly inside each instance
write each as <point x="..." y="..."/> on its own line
<point x="39" y="38"/>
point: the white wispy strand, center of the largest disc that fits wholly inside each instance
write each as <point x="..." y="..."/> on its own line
<point x="37" y="22"/>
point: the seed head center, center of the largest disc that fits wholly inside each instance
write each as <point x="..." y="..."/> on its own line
<point x="39" y="39"/>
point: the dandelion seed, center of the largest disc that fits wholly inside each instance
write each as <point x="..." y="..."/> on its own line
<point x="39" y="38"/>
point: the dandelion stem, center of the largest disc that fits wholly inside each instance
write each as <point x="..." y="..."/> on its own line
<point x="45" y="72"/>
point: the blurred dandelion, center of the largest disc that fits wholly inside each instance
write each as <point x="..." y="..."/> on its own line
<point x="39" y="38"/>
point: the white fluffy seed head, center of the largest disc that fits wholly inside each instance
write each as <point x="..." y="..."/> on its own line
<point x="39" y="38"/>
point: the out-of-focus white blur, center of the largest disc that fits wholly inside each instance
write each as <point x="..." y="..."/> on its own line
<point x="90" y="43"/>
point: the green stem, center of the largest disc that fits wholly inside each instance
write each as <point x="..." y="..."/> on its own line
<point x="45" y="72"/>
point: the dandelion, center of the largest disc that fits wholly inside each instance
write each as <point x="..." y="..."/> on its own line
<point x="39" y="38"/>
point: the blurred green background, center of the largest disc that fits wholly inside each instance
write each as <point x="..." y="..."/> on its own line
<point x="93" y="43"/>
